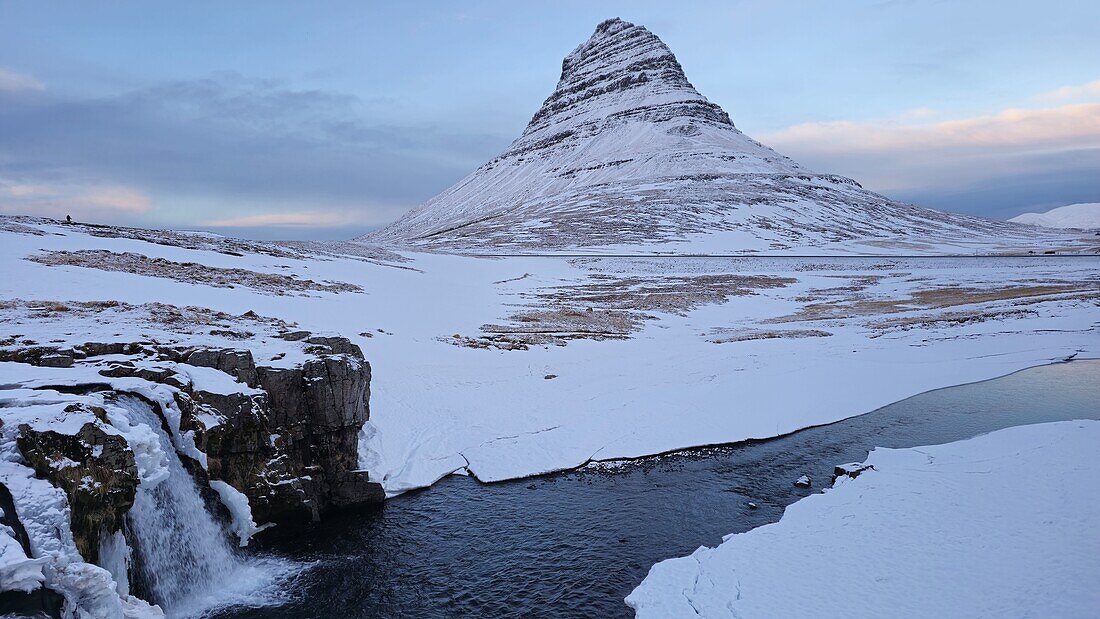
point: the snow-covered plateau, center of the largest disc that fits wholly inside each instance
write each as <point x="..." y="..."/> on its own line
<point x="996" y="526"/>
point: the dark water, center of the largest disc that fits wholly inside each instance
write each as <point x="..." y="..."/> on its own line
<point x="574" y="544"/>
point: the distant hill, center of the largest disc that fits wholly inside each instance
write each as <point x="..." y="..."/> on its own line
<point x="1084" y="216"/>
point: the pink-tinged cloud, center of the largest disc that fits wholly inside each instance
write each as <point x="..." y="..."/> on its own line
<point x="117" y="198"/>
<point x="1063" y="128"/>
<point x="297" y="219"/>
<point x="79" y="201"/>
<point x="1090" y="90"/>
<point x="908" y="152"/>
<point x="10" y="81"/>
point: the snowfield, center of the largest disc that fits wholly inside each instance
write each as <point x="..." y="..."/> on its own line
<point x="1001" y="525"/>
<point x="676" y="352"/>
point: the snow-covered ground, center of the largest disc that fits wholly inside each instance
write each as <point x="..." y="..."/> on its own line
<point x="1083" y="216"/>
<point x="677" y="352"/>
<point x="1002" y="525"/>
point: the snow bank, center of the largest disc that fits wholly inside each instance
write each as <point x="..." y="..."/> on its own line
<point x="18" y="572"/>
<point x="999" y="525"/>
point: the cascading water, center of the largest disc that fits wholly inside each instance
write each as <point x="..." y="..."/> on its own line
<point x="186" y="562"/>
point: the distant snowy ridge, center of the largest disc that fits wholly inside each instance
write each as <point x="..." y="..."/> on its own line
<point x="1085" y="216"/>
<point x="625" y="153"/>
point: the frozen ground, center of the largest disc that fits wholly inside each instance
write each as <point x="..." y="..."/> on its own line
<point x="676" y="352"/>
<point x="995" y="526"/>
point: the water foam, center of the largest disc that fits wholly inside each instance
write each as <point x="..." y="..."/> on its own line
<point x="185" y="560"/>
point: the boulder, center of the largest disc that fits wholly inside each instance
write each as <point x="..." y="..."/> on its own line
<point x="96" y="471"/>
<point x="237" y="363"/>
<point x="852" y="469"/>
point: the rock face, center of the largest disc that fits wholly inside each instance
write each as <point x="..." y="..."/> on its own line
<point x="292" y="446"/>
<point x="626" y="151"/>
<point x="293" y="452"/>
<point x="286" y="437"/>
<point x="97" y="472"/>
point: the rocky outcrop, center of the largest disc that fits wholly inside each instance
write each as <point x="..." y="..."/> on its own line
<point x="294" y="450"/>
<point x="290" y="441"/>
<point x="852" y="469"/>
<point x="96" y="471"/>
<point x="287" y="438"/>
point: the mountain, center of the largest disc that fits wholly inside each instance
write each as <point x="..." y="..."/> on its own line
<point x="1083" y="216"/>
<point x="626" y="154"/>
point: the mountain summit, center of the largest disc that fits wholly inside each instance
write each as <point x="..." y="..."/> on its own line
<point x="626" y="153"/>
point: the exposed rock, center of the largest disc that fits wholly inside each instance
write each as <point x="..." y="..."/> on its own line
<point x="852" y="469"/>
<point x="318" y="410"/>
<point x="57" y="360"/>
<point x="337" y="345"/>
<point x="95" y="469"/>
<point x="237" y="363"/>
<point x="291" y="448"/>
<point x="287" y="438"/>
<point x="44" y="356"/>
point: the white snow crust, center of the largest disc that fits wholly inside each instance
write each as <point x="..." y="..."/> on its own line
<point x="1002" y="525"/>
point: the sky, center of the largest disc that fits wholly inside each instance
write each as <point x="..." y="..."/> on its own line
<point x="324" y="120"/>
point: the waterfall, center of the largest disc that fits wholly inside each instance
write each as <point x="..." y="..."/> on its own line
<point x="186" y="562"/>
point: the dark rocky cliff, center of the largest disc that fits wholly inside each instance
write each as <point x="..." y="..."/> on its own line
<point x="288" y="440"/>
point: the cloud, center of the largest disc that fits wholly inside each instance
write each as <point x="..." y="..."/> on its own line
<point x="303" y="219"/>
<point x="82" y="201"/>
<point x="963" y="164"/>
<point x="13" y="82"/>
<point x="117" y="198"/>
<point x="1068" y="126"/>
<point x="226" y="143"/>
<point x="1090" y="90"/>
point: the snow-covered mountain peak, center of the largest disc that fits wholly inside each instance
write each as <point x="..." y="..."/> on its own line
<point x="623" y="104"/>
<point x="625" y="153"/>
<point x="621" y="68"/>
